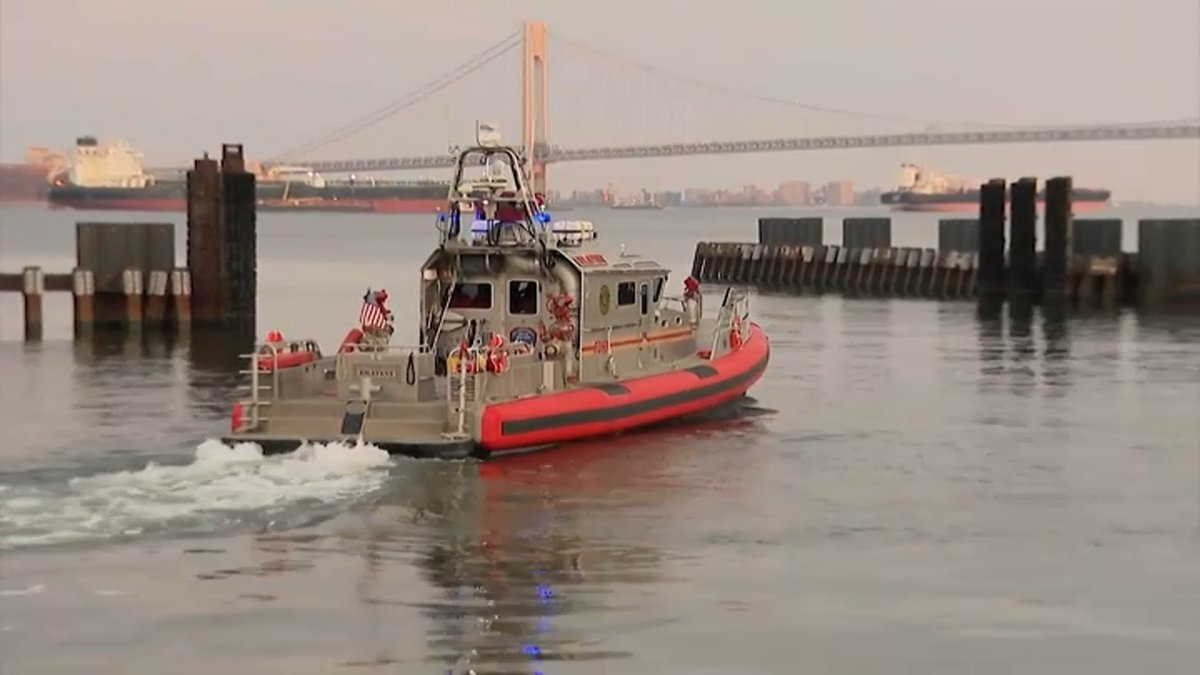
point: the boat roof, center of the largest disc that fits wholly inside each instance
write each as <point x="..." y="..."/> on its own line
<point x="496" y="213"/>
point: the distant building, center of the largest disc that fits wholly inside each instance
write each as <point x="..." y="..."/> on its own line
<point x="839" y="193"/>
<point x="793" y="193"/>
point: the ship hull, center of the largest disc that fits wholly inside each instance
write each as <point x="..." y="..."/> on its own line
<point x="1081" y="200"/>
<point x="968" y="207"/>
<point x="274" y="196"/>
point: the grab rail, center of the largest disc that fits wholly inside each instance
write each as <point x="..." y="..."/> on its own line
<point x="734" y="303"/>
<point x="272" y="350"/>
<point x="467" y="362"/>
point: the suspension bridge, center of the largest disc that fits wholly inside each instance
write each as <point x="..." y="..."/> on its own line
<point x="660" y="90"/>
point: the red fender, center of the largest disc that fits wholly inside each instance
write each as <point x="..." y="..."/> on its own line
<point x="353" y="337"/>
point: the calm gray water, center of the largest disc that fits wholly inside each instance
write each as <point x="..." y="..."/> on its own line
<point x="925" y="491"/>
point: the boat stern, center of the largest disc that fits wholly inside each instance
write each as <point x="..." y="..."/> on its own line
<point x="381" y="395"/>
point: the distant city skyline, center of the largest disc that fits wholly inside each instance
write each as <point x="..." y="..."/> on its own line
<point x="178" y="79"/>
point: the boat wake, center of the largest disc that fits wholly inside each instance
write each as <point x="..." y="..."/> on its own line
<point x="223" y="487"/>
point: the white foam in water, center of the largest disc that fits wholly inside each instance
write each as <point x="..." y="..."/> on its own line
<point x="219" y="486"/>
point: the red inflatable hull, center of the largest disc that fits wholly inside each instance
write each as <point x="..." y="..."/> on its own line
<point x="628" y="404"/>
<point x="286" y="360"/>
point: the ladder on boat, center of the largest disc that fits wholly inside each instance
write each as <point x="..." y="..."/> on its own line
<point x="254" y="404"/>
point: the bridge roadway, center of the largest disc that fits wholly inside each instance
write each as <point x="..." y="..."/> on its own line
<point x="557" y="154"/>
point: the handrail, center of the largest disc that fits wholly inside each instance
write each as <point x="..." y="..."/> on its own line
<point x="467" y="359"/>
<point x="733" y="303"/>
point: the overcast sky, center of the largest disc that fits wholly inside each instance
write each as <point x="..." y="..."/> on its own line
<point x="177" y="78"/>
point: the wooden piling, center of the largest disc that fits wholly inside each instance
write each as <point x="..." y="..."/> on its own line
<point x="83" y="291"/>
<point x="33" y="288"/>
<point x="1022" y="243"/>
<point x="991" y="238"/>
<point x="1056" y="259"/>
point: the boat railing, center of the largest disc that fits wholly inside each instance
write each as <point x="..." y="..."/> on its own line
<point x="733" y="315"/>
<point x="270" y="350"/>
<point x="464" y="365"/>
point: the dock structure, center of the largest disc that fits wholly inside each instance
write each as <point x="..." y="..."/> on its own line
<point x="126" y="277"/>
<point x="994" y="258"/>
<point x="161" y="305"/>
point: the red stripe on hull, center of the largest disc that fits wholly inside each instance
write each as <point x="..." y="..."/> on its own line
<point x="960" y="207"/>
<point x="123" y="205"/>
<point x="429" y="206"/>
<point x="738" y="370"/>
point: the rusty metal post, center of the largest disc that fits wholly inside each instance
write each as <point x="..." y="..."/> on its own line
<point x="83" y="292"/>
<point x="204" y="238"/>
<point x="33" y="288"/>
<point x="156" y="298"/>
<point x="131" y="286"/>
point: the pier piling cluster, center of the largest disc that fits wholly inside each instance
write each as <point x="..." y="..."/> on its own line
<point x="994" y="258"/>
<point x="126" y="278"/>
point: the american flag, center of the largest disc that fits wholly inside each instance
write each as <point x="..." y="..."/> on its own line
<point x="372" y="315"/>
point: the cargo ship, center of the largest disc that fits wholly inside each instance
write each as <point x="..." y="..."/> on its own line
<point x="922" y="189"/>
<point x="109" y="175"/>
<point x="29" y="183"/>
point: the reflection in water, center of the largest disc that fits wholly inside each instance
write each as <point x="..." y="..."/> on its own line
<point x="219" y="351"/>
<point x="520" y="548"/>
<point x="1056" y="353"/>
<point x="991" y="338"/>
<point x="214" y="370"/>
<point x="1009" y="348"/>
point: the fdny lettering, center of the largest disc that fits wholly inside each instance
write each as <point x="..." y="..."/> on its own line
<point x="591" y="259"/>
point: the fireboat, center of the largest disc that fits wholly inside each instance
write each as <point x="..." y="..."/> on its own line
<point x="531" y="335"/>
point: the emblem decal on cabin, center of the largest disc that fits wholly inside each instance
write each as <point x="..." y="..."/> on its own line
<point x="523" y="334"/>
<point x="605" y="299"/>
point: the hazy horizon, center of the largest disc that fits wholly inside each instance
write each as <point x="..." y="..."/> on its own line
<point x="176" y="80"/>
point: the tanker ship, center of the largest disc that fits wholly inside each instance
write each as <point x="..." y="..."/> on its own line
<point x="922" y="189"/>
<point x="109" y="175"/>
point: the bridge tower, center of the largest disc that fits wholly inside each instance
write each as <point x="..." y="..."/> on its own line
<point x="535" y="103"/>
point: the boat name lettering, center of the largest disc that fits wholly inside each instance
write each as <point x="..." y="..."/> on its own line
<point x="379" y="373"/>
<point x="591" y="259"/>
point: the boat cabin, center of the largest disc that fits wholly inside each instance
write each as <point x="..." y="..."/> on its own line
<point x="505" y="273"/>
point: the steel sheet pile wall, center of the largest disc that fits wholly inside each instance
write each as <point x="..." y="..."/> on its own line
<point x="1081" y="264"/>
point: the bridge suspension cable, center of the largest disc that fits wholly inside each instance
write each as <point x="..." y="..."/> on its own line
<point x="410" y="99"/>
<point x="814" y="107"/>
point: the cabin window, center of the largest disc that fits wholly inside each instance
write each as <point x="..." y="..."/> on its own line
<point x="659" y="282"/>
<point x="471" y="295"/>
<point x="644" y="297"/>
<point x="522" y="297"/>
<point x="626" y="293"/>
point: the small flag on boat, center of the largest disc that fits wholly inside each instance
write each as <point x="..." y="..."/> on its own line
<point x="373" y="314"/>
